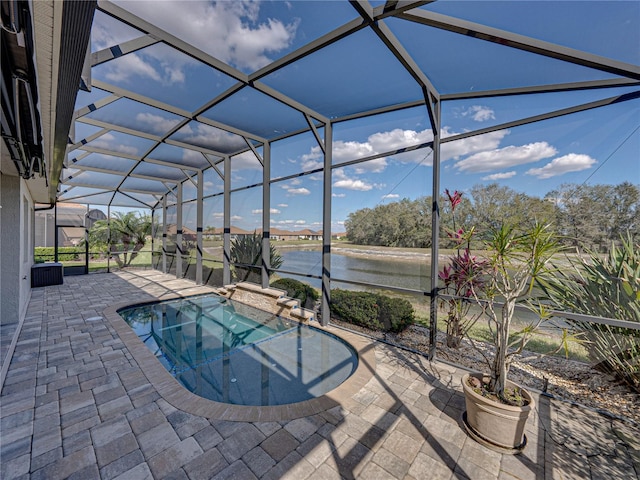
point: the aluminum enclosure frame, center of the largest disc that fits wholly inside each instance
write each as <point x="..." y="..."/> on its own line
<point x="368" y="17"/>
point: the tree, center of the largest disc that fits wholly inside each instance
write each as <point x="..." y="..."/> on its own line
<point x="406" y="223"/>
<point x="590" y="217"/>
<point x="128" y="235"/>
<point x="492" y="205"/>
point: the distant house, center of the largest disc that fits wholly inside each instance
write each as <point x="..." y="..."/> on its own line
<point x="72" y="219"/>
<point x="278" y="234"/>
<point x="308" y="234"/>
<point x="217" y="233"/>
<point x="188" y="235"/>
<point x="339" y="236"/>
<point x="275" y="234"/>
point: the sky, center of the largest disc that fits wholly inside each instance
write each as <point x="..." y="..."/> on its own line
<point x="595" y="146"/>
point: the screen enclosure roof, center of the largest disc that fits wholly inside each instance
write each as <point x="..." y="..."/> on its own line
<point x="177" y="87"/>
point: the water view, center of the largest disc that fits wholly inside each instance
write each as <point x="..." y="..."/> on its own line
<point x="412" y="273"/>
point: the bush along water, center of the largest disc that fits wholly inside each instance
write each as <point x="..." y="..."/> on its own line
<point x="298" y="290"/>
<point x="372" y="310"/>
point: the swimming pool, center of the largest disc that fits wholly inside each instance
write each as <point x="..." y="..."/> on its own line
<point x="233" y="353"/>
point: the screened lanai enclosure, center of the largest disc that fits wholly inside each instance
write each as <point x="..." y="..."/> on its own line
<point x="302" y="121"/>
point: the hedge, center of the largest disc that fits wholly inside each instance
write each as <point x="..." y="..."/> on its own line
<point x="298" y="290"/>
<point x="372" y="310"/>
<point x="65" y="254"/>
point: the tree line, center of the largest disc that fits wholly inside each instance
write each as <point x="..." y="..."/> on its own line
<point x="584" y="216"/>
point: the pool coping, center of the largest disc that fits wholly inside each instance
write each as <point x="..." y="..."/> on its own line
<point x="174" y="393"/>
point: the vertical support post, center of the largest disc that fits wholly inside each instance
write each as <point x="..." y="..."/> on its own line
<point x="55" y="235"/>
<point x="179" y="232"/>
<point x="435" y="233"/>
<point x="226" y="240"/>
<point x="326" y="225"/>
<point x="199" y="208"/>
<point x="266" y="213"/>
<point x="164" y="234"/>
<point x="154" y="232"/>
<point x="108" y="238"/>
<point x="86" y="241"/>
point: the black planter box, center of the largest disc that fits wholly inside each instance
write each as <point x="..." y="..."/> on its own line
<point x="45" y="274"/>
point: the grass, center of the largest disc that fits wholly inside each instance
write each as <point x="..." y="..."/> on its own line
<point x="143" y="259"/>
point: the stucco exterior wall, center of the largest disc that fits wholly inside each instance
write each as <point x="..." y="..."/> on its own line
<point x="16" y="258"/>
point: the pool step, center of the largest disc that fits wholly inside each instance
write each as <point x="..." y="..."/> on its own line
<point x="270" y="299"/>
<point x="288" y="302"/>
<point x="302" y="314"/>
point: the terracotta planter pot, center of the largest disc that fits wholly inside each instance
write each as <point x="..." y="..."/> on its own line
<point x="494" y="424"/>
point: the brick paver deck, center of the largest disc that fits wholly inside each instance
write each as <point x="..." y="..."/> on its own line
<point x="76" y="404"/>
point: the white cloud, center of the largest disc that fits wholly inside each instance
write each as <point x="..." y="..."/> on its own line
<point x="236" y="217"/>
<point x="216" y="139"/>
<point x="245" y="161"/>
<point x="470" y="145"/>
<point x="301" y="222"/>
<point x="372" y="166"/>
<point x="572" y="162"/>
<point x="218" y="215"/>
<point x="343" y="151"/>
<point x="500" y="176"/>
<point x="506" y="157"/>
<point x="390" y="195"/>
<point x="108" y="142"/>
<point x="283" y="205"/>
<point x="282" y="222"/>
<point x="107" y="31"/>
<point x="353" y="184"/>
<point x="396" y="139"/>
<point x="299" y="191"/>
<point x="230" y="31"/>
<point x="479" y="113"/>
<point x="188" y="154"/>
<point x="338" y="195"/>
<point x="259" y="210"/>
<point x="295" y="191"/>
<point x="137" y="65"/>
<point x="157" y="123"/>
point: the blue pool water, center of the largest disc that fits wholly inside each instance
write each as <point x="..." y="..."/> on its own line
<point x="234" y="353"/>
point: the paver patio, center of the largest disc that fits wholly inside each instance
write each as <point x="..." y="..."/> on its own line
<point x="76" y="404"/>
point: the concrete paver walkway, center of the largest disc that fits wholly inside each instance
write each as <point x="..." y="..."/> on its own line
<point x="75" y="404"/>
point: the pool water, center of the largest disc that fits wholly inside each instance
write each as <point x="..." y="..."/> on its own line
<point x="233" y="353"/>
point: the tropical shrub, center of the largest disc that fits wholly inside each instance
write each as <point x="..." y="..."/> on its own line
<point x="461" y="276"/>
<point x="125" y="234"/>
<point x="372" y="310"/>
<point x="605" y="286"/>
<point x="246" y="255"/>
<point x="298" y="290"/>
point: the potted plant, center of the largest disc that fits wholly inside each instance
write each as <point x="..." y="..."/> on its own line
<point x="497" y="409"/>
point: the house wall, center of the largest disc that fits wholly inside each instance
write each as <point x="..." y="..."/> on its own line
<point x="16" y="258"/>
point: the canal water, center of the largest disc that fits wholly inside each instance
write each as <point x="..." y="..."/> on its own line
<point x="406" y="272"/>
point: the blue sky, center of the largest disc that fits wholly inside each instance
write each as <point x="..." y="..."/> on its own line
<point x="596" y="146"/>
